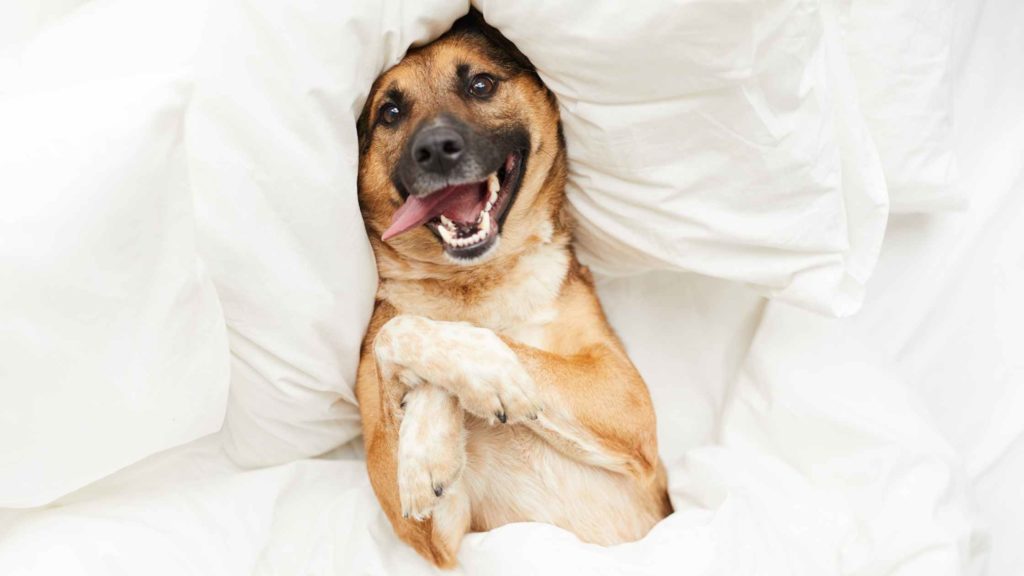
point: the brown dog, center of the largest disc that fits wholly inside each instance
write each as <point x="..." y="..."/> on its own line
<point x="491" y="387"/>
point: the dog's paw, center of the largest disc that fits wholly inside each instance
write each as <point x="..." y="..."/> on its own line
<point x="431" y="450"/>
<point x="471" y="363"/>
<point x="494" y="386"/>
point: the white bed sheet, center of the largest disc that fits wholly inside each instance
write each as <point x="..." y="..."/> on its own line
<point x="877" y="492"/>
<point x="946" y="303"/>
<point x="796" y="444"/>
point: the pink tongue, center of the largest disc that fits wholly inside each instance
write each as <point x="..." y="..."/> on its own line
<point x="461" y="203"/>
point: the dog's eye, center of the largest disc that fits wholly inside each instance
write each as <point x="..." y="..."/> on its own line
<point x="389" y="113"/>
<point x="482" y="85"/>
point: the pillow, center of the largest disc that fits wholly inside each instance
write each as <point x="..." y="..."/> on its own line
<point x="711" y="137"/>
<point x="20" y="21"/>
<point x="272" y="149"/>
<point x="112" y="343"/>
<point x="900" y="54"/>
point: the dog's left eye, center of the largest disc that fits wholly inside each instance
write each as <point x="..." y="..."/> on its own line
<point x="482" y="85"/>
<point x="389" y="113"/>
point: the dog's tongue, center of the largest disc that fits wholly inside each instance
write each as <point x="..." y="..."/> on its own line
<point x="461" y="203"/>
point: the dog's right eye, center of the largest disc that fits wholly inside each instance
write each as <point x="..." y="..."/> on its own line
<point x="482" y="86"/>
<point x="389" y="113"/>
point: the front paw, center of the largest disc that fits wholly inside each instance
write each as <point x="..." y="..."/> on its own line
<point x="495" y="387"/>
<point x="471" y="363"/>
<point x="431" y="450"/>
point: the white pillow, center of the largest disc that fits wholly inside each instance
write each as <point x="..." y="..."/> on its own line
<point x="272" y="147"/>
<point x="20" y="21"/>
<point x="710" y="137"/>
<point x="112" y="342"/>
<point x="900" y="54"/>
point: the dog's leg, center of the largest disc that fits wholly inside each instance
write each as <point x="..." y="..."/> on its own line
<point x="597" y="408"/>
<point x="415" y="451"/>
<point x="591" y="405"/>
<point x="431" y="454"/>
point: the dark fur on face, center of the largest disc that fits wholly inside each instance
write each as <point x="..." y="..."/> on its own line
<point x="463" y="113"/>
<point x="496" y="48"/>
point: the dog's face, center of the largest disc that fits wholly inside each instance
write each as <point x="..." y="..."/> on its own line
<point x="461" y="154"/>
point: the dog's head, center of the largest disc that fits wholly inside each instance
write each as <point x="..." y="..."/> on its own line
<point x="461" y="153"/>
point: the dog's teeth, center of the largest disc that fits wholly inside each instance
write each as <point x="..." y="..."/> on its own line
<point x="493" y="185"/>
<point x="450" y="236"/>
<point x="447" y="222"/>
<point x="446" y="234"/>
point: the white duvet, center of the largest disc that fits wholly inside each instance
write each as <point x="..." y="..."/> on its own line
<point x="891" y="442"/>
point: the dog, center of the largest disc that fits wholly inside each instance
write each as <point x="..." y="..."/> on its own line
<point x="491" y="387"/>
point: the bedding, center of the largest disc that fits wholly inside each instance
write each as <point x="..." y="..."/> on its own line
<point x="902" y="61"/>
<point x="108" y="320"/>
<point x="885" y="443"/>
<point x="755" y="503"/>
<point x="23" y="20"/>
<point x="878" y="491"/>
<point x="712" y="137"/>
<point x="272" y="152"/>
<point x="953" y="284"/>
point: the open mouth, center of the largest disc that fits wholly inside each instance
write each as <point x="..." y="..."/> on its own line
<point x="466" y="217"/>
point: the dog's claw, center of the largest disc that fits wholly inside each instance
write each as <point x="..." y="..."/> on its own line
<point x="500" y="414"/>
<point x="438" y="490"/>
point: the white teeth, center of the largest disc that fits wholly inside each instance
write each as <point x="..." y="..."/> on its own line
<point x="449" y="231"/>
<point x="469" y="240"/>
<point x="493" y="185"/>
<point x="446" y="234"/>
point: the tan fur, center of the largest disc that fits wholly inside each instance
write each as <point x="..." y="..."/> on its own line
<point x="521" y="333"/>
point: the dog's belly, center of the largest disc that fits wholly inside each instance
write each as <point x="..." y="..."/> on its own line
<point x="514" y="476"/>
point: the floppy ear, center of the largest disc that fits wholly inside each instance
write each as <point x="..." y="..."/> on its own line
<point x="507" y="54"/>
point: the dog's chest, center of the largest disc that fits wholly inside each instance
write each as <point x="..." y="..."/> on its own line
<point x="529" y="326"/>
<point x="534" y="330"/>
<point x="521" y="306"/>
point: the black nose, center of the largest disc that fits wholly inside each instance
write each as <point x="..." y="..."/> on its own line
<point x="438" y="149"/>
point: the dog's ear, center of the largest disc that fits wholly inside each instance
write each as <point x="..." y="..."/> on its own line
<point x="363" y="122"/>
<point x="362" y="132"/>
<point x="505" y="53"/>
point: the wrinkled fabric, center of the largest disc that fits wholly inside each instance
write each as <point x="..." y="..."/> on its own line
<point x="735" y="149"/>
<point x="112" y="339"/>
<point x="901" y="56"/>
